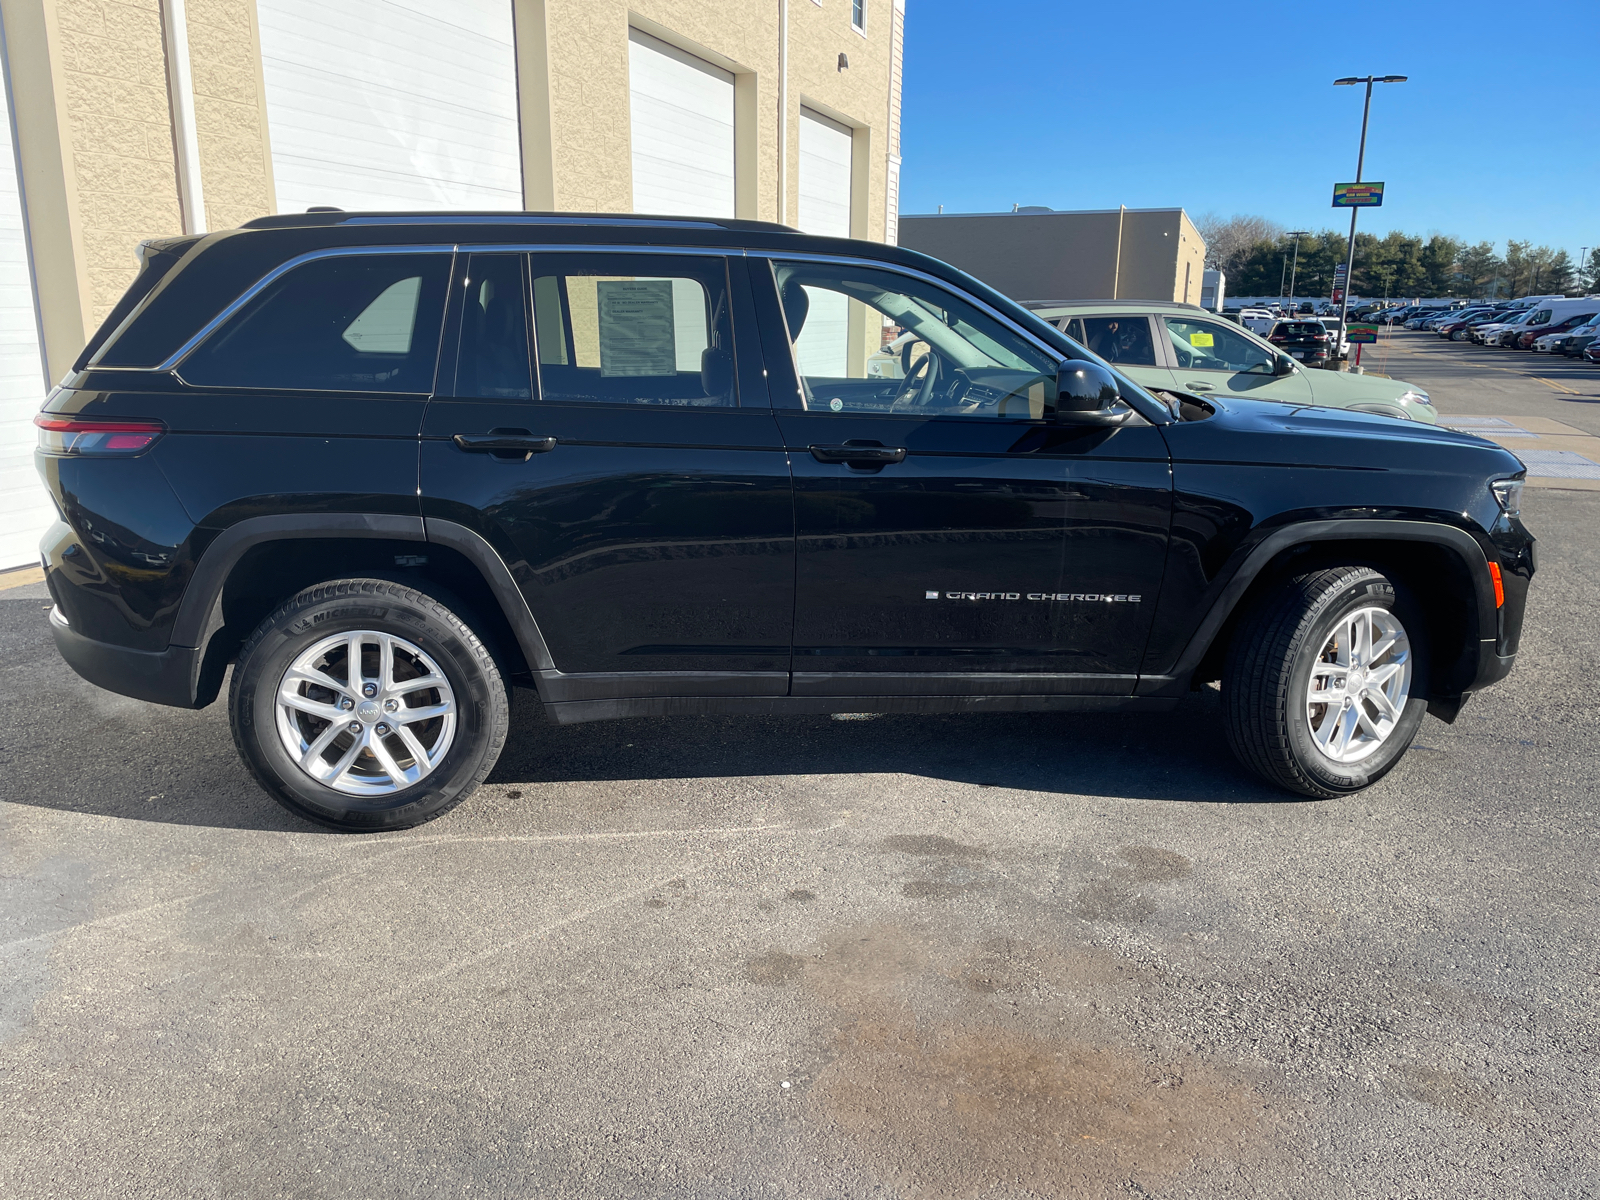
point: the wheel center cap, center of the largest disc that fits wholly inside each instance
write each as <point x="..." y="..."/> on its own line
<point x="369" y="710"/>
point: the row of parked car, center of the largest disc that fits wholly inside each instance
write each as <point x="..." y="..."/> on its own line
<point x="1543" y="324"/>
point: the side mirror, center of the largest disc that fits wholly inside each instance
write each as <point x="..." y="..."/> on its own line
<point x="1087" y="394"/>
<point x="1283" y="366"/>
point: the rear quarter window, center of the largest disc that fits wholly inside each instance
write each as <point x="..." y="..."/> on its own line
<point x="363" y="323"/>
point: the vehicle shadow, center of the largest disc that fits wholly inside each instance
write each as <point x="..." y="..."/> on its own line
<point x="69" y="746"/>
<point x="1177" y="756"/>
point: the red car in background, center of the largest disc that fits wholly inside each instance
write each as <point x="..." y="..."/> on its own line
<point x="1525" y="340"/>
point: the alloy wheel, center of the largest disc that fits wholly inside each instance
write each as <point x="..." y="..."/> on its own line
<point x="1359" y="684"/>
<point x="365" y="713"/>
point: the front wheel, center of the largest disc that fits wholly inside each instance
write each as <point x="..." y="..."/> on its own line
<point x="1323" y="679"/>
<point x="366" y="705"/>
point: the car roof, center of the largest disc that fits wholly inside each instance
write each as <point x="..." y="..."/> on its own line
<point x="206" y="272"/>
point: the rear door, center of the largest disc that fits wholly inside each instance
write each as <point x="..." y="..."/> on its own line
<point x="1128" y="341"/>
<point x="631" y="476"/>
<point x="952" y="538"/>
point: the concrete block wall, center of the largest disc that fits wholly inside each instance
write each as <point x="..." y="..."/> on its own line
<point x="589" y="129"/>
<point x="96" y="136"/>
<point x="230" y="111"/>
<point x="119" y="127"/>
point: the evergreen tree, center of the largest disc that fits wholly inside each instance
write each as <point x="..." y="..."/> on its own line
<point x="1589" y="272"/>
<point x="1480" y="268"/>
<point x="1439" y="259"/>
<point x="1557" y="275"/>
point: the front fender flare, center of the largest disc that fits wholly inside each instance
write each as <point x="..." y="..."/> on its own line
<point x="1462" y="543"/>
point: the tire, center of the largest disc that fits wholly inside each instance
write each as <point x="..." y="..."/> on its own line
<point x="1279" y="649"/>
<point x="380" y="767"/>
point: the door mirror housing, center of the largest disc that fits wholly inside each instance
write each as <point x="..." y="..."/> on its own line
<point x="1284" y="365"/>
<point x="1087" y="394"/>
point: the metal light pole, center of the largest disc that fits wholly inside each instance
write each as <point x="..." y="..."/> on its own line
<point x="1361" y="159"/>
<point x="1297" y="234"/>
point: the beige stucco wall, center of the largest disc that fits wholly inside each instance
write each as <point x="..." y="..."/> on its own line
<point x="96" y="139"/>
<point x="230" y="111"/>
<point x="119" y="127"/>
<point x="585" y="50"/>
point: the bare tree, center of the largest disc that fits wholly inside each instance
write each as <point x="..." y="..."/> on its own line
<point x="1230" y="240"/>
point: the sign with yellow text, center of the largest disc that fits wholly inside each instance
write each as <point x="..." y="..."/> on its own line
<point x="1358" y="195"/>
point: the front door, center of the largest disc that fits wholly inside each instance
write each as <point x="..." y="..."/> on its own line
<point x="952" y="538"/>
<point x="634" y="479"/>
<point x="1215" y="357"/>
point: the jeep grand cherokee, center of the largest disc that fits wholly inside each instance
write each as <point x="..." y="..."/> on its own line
<point x="389" y="465"/>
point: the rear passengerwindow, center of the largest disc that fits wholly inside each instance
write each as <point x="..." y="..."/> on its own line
<point x="365" y="323"/>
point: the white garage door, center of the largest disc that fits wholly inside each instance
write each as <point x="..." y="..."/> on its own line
<point x="392" y="104"/>
<point x="25" y="508"/>
<point x="680" y="110"/>
<point x="824" y="344"/>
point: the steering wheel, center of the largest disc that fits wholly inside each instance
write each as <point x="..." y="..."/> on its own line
<point x="917" y="387"/>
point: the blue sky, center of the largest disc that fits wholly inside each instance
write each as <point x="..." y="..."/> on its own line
<point x="1231" y="108"/>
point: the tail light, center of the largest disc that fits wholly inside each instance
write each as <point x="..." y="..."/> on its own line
<point x="103" y="439"/>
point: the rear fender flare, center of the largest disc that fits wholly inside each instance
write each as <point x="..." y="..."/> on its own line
<point x="200" y="612"/>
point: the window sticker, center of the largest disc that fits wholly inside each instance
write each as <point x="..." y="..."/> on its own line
<point x="637" y="332"/>
<point x="1202" y="341"/>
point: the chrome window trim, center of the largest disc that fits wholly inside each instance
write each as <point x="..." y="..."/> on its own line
<point x="1162" y="415"/>
<point x="277" y="272"/>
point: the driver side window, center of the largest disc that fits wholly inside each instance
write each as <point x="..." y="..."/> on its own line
<point x="1208" y="346"/>
<point x="873" y="341"/>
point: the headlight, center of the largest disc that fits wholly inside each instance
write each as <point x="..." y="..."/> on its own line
<point x="1508" y="494"/>
<point x="1415" y="397"/>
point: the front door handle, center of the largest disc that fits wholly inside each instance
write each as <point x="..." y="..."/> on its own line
<point x="1200" y="387"/>
<point x="858" y="454"/>
<point x="513" y="446"/>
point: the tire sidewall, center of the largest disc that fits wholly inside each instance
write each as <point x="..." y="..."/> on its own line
<point x="480" y="705"/>
<point x="1369" y="590"/>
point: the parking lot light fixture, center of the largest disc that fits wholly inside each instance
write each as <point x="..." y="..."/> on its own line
<point x="1361" y="160"/>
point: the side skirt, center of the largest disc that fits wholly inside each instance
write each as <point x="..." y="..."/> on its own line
<point x="575" y="712"/>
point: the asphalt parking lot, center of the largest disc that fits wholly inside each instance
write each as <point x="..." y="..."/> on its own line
<point x="1007" y="956"/>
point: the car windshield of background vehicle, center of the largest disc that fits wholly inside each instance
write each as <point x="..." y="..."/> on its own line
<point x="348" y="323"/>
<point x="1124" y="340"/>
<point x="633" y="329"/>
<point x="867" y="340"/>
<point x="1204" y="346"/>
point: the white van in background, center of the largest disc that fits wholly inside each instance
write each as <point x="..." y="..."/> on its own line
<point x="1553" y="312"/>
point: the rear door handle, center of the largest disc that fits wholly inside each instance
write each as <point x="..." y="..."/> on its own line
<point x="1199" y="387"/>
<point x="505" y="445"/>
<point x="859" y="455"/>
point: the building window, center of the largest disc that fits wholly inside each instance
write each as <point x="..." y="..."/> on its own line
<point x="858" y="15"/>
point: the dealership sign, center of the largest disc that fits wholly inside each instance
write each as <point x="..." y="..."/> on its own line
<point x="1357" y="195"/>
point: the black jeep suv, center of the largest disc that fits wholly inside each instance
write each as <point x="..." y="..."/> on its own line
<point x="389" y="464"/>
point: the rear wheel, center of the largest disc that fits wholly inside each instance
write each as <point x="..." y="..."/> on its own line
<point x="365" y="705"/>
<point x="1322" y="680"/>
